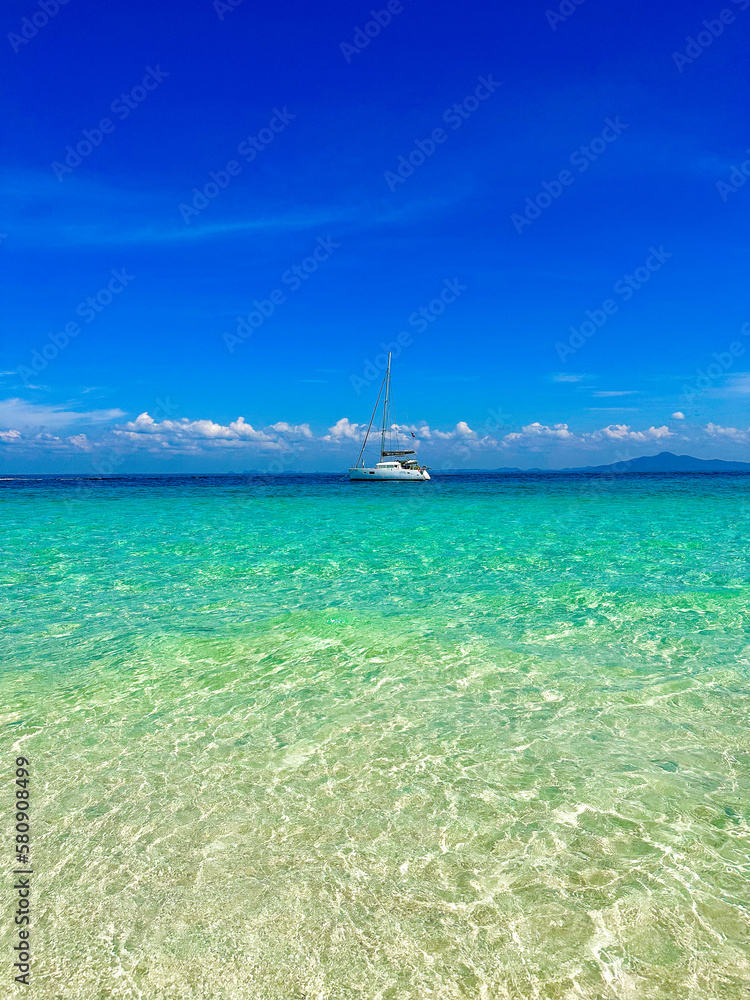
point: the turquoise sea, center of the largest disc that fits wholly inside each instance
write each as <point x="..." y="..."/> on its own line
<point x="294" y="738"/>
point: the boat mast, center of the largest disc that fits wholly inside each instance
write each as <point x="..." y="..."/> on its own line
<point x="369" y="426"/>
<point x="385" y="405"/>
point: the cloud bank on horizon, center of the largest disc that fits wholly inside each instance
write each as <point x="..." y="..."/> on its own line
<point x="110" y="444"/>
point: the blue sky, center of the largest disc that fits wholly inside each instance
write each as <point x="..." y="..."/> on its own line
<point x="570" y="217"/>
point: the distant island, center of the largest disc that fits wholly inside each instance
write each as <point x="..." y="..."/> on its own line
<point x="665" y="461"/>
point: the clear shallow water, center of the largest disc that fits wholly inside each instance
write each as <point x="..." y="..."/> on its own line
<point x="297" y="738"/>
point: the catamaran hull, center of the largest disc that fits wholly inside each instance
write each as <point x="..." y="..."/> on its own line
<point x="378" y="475"/>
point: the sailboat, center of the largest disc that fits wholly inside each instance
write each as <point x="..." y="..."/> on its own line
<point x="394" y="463"/>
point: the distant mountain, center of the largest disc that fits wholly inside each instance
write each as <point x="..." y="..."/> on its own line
<point x="665" y="461"/>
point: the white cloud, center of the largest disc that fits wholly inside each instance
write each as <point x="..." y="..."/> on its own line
<point x="738" y="383"/>
<point x="606" y="393"/>
<point x="20" y="413"/>
<point x="293" y="430"/>
<point x="569" y="377"/>
<point x="536" y="432"/>
<point x="43" y="441"/>
<point x="190" y="434"/>
<point x="535" y="435"/>
<point x="344" y="430"/>
<point x="461" y="430"/>
<point x="731" y="433"/>
<point x="461" y="434"/>
<point x="679" y="415"/>
<point x="622" y="432"/>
